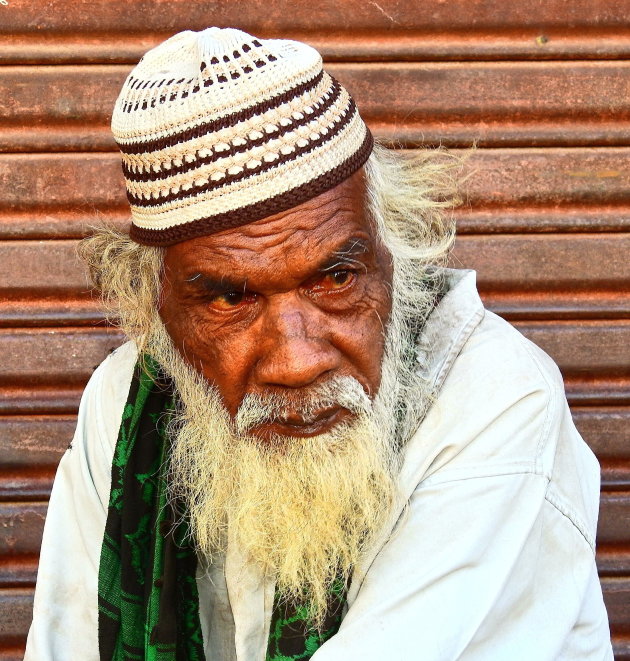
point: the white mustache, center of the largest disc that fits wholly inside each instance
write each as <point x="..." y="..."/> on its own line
<point x="340" y="391"/>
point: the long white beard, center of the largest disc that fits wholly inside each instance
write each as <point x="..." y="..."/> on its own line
<point x="303" y="509"/>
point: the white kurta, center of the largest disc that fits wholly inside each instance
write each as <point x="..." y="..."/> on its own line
<point x="489" y="555"/>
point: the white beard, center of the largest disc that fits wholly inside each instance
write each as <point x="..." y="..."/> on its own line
<point x="303" y="509"/>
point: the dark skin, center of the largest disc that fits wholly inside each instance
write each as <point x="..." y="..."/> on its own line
<point x="284" y="303"/>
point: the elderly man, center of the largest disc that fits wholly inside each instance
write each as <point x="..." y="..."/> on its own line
<point x="316" y="443"/>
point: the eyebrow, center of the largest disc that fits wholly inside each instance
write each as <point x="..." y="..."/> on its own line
<point x="220" y="285"/>
<point x="346" y="255"/>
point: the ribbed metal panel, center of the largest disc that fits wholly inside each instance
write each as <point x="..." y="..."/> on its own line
<point x="105" y="31"/>
<point x="67" y="108"/>
<point x="542" y="88"/>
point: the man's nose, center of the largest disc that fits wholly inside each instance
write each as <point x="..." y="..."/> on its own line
<point x="296" y="349"/>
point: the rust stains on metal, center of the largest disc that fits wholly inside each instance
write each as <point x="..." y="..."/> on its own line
<point x="47" y="356"/>
<point x="522" y="190"/>
<point x="88" y="31"/>
<point x="541" y="87"/>
<point x="453" y="103"/>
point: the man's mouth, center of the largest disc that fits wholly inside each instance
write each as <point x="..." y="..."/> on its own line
<point x="294" y="424"/>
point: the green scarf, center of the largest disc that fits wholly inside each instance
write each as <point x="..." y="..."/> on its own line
<point x="147" y="592"/>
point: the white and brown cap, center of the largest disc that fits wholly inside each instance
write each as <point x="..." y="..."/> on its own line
<point x="218" y="129"/>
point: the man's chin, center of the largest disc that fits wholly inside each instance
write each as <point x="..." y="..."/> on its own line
<point x="274" y="432"/>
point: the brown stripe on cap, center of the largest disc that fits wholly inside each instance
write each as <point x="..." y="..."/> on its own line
<point x="150" y="175"/>
<point x="140" y="147"/>
<point x="340" y="124"/>
<point x="257" y="210"/>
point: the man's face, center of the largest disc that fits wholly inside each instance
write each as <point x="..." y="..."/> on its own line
<point x="284" y="304"/>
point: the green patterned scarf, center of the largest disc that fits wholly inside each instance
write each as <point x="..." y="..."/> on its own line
<point x="147" y="592"/>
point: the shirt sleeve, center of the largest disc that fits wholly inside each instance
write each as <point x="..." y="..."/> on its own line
<point x="65" y="614"/>
<point x="493" y="556"/>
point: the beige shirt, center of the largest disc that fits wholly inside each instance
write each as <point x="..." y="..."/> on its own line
<point x="488" y="556"/>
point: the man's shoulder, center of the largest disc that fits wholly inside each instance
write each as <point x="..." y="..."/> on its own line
<point x="111" y="379"/>
<point x="497" y="352"/>
<point x="123" y="358"/>
<point x="104" y="397"/>
<point x="479" y="356"/>
<point x="501" y="414"/>
<point x="500" y="408"/>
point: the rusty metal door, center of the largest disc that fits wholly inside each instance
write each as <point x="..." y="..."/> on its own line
<point x="542" y="87"/>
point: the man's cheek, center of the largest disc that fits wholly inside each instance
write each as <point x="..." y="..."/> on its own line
<point x="226" y="361"/>
<point x="197" y="329"/>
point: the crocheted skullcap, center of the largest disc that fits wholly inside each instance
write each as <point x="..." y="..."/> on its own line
<point x="218" y="129"/>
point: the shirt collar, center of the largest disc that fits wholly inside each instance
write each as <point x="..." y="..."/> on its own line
<point x="449" y="326"/>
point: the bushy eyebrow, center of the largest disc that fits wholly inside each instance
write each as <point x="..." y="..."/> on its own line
<point x="217" y="286"/>
<point x="346" y="255"/>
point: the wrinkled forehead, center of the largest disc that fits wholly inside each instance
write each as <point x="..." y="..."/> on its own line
<point x="298" y="241"/>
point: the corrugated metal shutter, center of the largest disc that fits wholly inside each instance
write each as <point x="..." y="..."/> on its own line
<point x="541" y="86"/>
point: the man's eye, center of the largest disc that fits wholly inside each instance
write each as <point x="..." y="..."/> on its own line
<point x="230" y="300"/>
<point x="335" y="280"/>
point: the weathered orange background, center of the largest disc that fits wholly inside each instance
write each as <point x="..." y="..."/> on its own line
<point x="541" y="86"/>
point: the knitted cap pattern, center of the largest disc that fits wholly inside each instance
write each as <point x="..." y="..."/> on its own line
<point x="218" y="129"/>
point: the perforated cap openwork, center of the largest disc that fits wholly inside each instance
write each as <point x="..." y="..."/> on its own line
<point x="218" y="129"/>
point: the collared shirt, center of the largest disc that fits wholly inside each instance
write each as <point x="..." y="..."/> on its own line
<point x="488" y="554"/>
